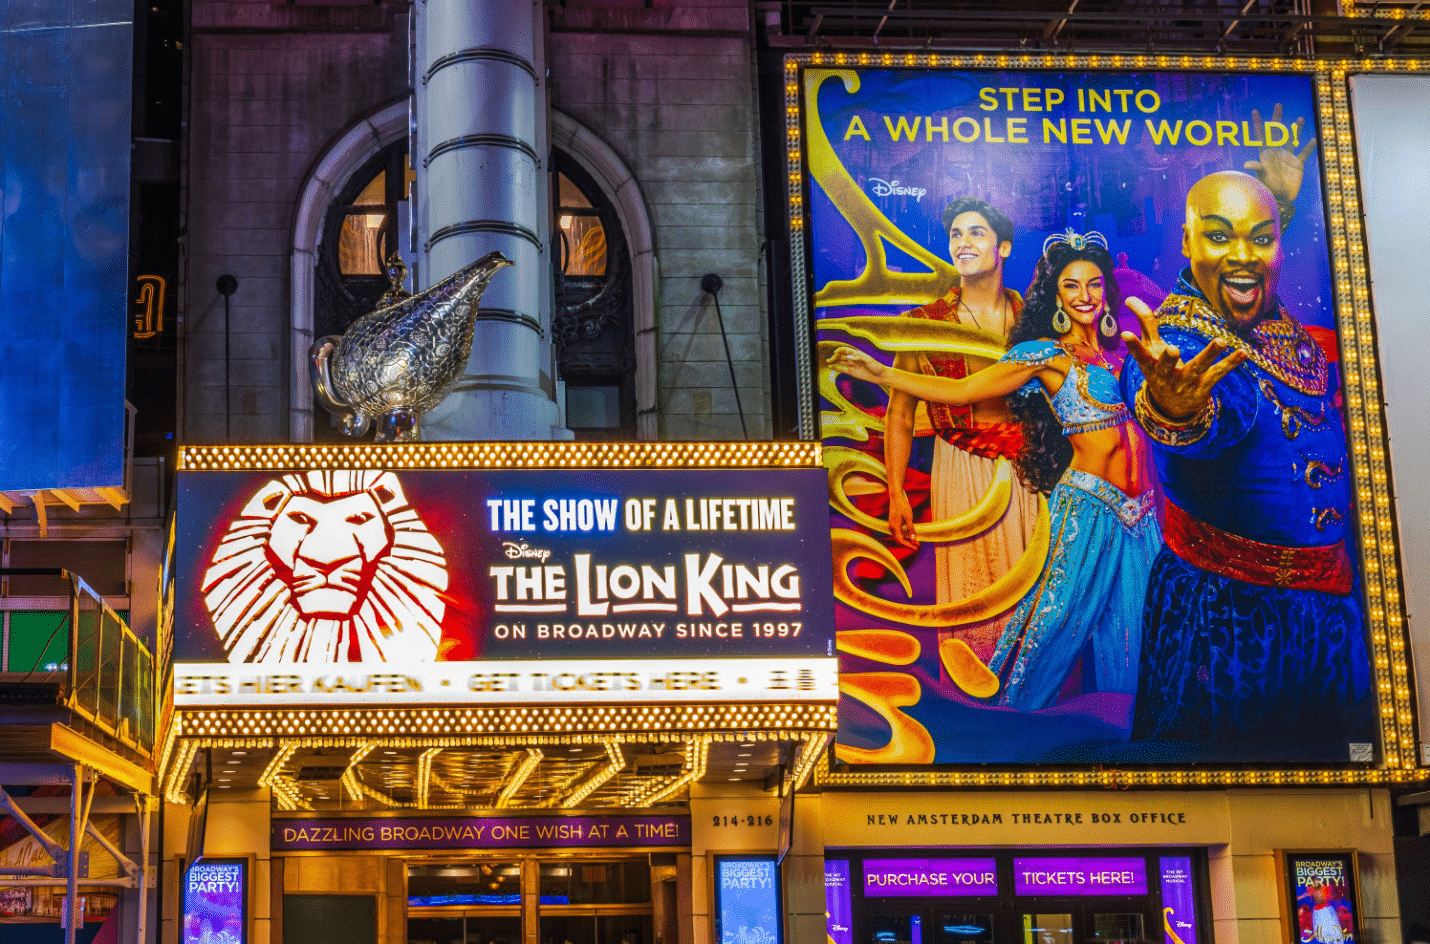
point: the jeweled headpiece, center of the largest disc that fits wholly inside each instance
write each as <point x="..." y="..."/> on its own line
<point x="1076" y="240"/>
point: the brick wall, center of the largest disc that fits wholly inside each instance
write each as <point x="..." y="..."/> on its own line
<point x="270" y="87"/>
<point x="672" y="92"/>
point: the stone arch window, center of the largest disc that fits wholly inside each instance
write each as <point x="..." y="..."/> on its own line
<point x="344" y="172"/>
<point x="360" y="230"/>
<point x="592" y="325"/>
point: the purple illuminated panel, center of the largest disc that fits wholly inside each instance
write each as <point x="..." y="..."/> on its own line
<point x="1179" y="900"/>
<point x="479" y="832"/>
<point x="216" y="903"/>
<point x="838" y="910"/>
<point x="929" y="878"/>
<point x="1080" y="877"/>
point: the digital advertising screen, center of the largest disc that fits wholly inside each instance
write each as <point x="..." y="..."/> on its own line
<point x="1080" y="877"/>
<point x="65" y="140"/>
<point x="502" y="586"/>
<point x="930" y="878"/>
<point x="215" y="902"/>
<point x="747" y="900"/>
<point x="1053" y="544"/>
<point x="1322" y="895"/>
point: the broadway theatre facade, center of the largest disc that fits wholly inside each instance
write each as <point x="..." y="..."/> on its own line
<point x="492" y="692"/>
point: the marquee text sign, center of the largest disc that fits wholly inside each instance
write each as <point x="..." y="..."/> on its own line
<point x="477" y="833"/>
<point x="1025" y="818"/>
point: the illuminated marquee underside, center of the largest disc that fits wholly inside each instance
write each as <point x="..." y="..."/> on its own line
<point x="511" y="758"/>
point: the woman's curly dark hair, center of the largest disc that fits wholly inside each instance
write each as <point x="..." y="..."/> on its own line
<point x="1046" y="452"/>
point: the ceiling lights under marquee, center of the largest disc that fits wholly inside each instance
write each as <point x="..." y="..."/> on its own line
<point x="501" y="725"/>
<point x="632" y="771"/>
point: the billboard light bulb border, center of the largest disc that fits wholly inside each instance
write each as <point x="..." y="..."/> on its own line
<point x="1366" y="431"/>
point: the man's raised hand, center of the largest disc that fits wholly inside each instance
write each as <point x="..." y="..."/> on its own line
<point x="1179" y="389"/>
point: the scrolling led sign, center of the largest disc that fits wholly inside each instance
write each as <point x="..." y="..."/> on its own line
<point x="500" y="586"/>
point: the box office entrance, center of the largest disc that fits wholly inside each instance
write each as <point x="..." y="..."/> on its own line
<point x="982" y="896"/>
<point x="1049" y="922"/>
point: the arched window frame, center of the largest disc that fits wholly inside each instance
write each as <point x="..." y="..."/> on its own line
<point x="610" y="173"/>
<point x="362" y="141"/>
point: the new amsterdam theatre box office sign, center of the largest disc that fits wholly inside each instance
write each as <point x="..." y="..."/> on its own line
<point x="342" y="587"/>
<point x="975" y="868"/>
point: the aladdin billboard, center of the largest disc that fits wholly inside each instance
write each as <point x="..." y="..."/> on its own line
<point x="350" y="586"/>
<point x="1079" y="387"/>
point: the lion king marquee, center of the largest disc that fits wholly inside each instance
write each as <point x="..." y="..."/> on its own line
<point x="487" y="574"/>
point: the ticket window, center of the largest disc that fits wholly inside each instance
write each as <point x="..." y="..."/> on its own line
<point x="1056" y="924"/>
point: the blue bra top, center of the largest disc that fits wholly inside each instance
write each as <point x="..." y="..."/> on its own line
<point x="1089" y="398"/>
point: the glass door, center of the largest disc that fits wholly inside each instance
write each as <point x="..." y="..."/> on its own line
<point x="467" y="928"/>
<point x="1048" y="927"/>
<point x="595" y="929"/>
<point x="584" y="902"/>
<point x="578" y="901"/>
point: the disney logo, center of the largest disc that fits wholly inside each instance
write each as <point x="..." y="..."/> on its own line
<point x="892" y="188"/>
<point x="524" y="551"/>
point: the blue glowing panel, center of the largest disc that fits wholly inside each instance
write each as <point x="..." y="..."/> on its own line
<point x="64" y="240"/>
<point x="747" y="900"/>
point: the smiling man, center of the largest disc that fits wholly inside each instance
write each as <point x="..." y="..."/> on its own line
<point x="970" y="440"/>
<point x="1253" y="636"/>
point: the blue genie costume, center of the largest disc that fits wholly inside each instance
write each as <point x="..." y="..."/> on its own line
<point x="1089" y="598"/>
<point x="1253" y="639"/>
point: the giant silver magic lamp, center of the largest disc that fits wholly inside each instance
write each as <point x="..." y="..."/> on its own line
<point x="401" y="360"/>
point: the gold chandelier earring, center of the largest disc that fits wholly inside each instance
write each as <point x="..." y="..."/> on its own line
<point x="1062" y="323"/>
<point x="1107" y="325"/>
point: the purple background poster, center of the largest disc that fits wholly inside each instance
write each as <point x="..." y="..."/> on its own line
<point x="929" y="878"/>
<point x="1179" y="900"/>
<point x="215" y="903"/>
<point x="747" y="902"/>
<point x="921" y="624"/>
<point x="1323" y="898"/>
<point x="1080" y="877"/>
<point x="479" y="832"/>
<point x="838" y="907"/>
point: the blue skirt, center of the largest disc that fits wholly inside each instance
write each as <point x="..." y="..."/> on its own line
<point x="1092" y="590"/>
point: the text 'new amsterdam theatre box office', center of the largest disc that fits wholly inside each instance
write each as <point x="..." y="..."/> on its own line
<point x="447" y="692"/>
<point x="1042" y="580"/>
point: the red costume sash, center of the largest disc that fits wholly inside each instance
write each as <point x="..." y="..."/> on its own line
<point x="955" y="424"/>
<point x="988" y="440"/>
<point x="1326" y="567"/>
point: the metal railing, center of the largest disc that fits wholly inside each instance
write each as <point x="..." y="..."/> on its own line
<point x="104" y="674"/>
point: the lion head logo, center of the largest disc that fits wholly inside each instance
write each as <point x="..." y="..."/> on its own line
<point x="328" y="567"/>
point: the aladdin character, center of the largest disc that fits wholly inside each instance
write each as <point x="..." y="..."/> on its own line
<point x="1080" y="444"/>
<point x="1253" y="633"/>
<point x="971" y="437"/>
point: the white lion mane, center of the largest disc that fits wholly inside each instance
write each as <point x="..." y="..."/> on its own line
<point x="399" y="617"/>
